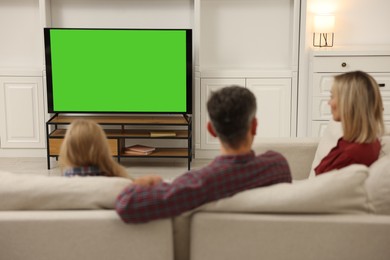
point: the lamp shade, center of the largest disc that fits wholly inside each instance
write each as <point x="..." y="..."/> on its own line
<point x="324" y="23"/>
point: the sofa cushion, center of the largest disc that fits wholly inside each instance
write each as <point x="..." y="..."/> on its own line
<point x="385" y="141"/>
<point x="38" y="192"/>
<point x="332" y="133"/>
<point x="299" y="152"/>
<point x="378" y="186"/>
<point x="339" y="191"/>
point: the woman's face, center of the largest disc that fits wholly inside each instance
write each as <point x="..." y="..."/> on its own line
<point x="334" y="106"/>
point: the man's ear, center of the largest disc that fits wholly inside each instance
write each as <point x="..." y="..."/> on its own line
<point x="254" y="126"/>
<point x="211" y="130"/>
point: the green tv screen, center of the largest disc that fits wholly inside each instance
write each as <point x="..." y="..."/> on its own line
<point x="118" y="70"/>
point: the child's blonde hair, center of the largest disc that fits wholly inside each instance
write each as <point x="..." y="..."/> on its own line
<point x="86" y="144"/>
<point x="360" y="106"/>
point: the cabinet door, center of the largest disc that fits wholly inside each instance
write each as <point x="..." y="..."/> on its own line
<point x="342" y="64"/>
<point x="322" y="83"/>
<point x="318" y="128"/>
<point x="321" y="109"/>
<point x="207" y="86"/>
<point x="273" y="106"/>
<point x="21" y="112"/>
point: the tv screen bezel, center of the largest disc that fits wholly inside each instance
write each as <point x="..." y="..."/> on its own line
<point x="189" y="73"/>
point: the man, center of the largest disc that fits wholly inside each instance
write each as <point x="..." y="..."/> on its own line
<point x="232" y="113"/>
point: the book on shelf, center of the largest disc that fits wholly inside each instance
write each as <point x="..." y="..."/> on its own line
<point x="162" y="133"/>
<point x="139" y="150"/>
<point x="129" y="152"/>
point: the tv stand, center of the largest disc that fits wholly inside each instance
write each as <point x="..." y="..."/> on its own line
<point x="121" y="128"/>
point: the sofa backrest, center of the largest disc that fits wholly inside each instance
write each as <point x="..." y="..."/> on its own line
<point x="298" y="237"/>
<point x="299" y="153"/>
<point x="41" y="192"/>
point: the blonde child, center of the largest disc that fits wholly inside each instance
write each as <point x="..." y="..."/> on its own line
<point x="85" y="152"/>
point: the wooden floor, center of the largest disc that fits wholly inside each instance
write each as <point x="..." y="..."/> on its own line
<point x="167" y="168"/>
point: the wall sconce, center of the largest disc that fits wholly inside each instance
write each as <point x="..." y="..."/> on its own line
<point x="323" y="34"/>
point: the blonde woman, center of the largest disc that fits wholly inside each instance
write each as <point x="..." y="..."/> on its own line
<point x="355" y="102"/>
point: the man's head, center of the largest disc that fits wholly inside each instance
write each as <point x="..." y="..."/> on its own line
<point x="232" y="113"/>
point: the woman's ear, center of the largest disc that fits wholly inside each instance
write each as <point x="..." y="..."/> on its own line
<point x="211" y="130"/>
<point x="254" y="126"/>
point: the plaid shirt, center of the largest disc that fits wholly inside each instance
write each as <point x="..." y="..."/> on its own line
<point x="83" y="171"/>
<point x="223" y="177"/>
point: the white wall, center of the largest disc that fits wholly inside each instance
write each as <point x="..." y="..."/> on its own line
<point x="20" y="34"/>
<point x="358" y="23"/>
<point x="362" y="22"/>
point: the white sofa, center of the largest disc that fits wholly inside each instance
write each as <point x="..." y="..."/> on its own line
<point x="336" y="217"/>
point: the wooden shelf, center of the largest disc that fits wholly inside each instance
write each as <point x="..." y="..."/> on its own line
<point x="124" y="120"/>
<point x="128" y="133"/>
<point x="180" y="125"/>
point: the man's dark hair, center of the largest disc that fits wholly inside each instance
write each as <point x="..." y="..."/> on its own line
<point x="231" y="110"/>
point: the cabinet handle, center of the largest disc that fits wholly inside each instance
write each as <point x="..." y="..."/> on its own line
<point x="344" y="64"/>
<point x="382" y="85"/>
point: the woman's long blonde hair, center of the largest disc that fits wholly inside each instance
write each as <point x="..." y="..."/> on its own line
<point x="360" y="106"/>
<point x="86" y="144"/>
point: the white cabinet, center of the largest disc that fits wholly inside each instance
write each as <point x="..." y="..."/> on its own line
<point x="325" y="64"/>
<point x="21" y="90"/>
<point x="273" y="98"/>
<point x="21" y="112"/>
<point x="273" y="106"/>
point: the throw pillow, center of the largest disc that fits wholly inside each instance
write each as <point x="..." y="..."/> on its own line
<point x="38" y="192"/>
<point x="378" y="186"/>
<point x="385" y="141"/>
<point x="332" y="133"/>
<point x="339" y="191"/>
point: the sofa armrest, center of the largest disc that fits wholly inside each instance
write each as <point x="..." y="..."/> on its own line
<point x="299" y="152"/>
<point x="80" y="235"/>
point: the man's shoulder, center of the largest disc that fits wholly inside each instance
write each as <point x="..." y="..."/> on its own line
<point x="271" y="158"/>
<point x="271" y="155"/>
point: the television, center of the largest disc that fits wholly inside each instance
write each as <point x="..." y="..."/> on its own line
<point x="97" y="70"/>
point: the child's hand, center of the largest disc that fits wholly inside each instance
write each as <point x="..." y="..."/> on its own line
<point x="148" y="181"/>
